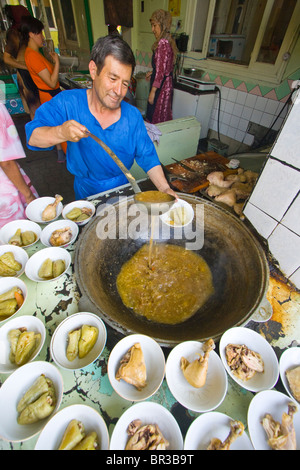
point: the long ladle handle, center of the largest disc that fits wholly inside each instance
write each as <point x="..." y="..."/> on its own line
<point x="127" y="173"/>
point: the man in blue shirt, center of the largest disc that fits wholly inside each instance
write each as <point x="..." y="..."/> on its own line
<point x="101" y="111"/>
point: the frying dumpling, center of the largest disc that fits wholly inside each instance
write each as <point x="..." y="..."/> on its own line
<point x="133" y="368"/>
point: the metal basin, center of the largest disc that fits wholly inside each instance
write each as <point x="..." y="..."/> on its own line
<point x="235" y="257"/>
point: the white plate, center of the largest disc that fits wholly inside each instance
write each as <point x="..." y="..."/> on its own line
<point x="288" y="360"/>
<point x="189" y="214"/>
<point x="59" y="224"/>
<point x="79" y="205"/>
<point x="20" y="255"/>
<point x="59" y="340"/>
<point x="257" y="343"/>
<point x="8" y="283"/>
<point x="31" y="323"/>
<point x="274" y="403"/>
<point x="7" y="232"/>
<point x="35" y="262"/>
<point x="204" y="399"/>
<point x="213" y="425"/>
<point x="155" y="367"/>
<point x="52" y="434"/>
<point x="12" y="391"/>
<point x="148" y="413"/>
<point x="35" y="209"/>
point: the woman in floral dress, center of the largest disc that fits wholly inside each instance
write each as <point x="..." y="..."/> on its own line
<point x="160" y="99"/>
<point x="16" y="190"/>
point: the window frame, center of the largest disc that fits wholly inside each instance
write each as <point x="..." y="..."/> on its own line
<point x="260" y="72"/>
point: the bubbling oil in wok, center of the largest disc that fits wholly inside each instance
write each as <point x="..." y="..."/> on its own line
<point x="165" y="283"/>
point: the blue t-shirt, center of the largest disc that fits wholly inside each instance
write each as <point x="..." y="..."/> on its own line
<point x="94" y="170"/>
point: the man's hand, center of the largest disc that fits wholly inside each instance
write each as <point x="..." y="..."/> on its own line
<point x="72" y="131"/>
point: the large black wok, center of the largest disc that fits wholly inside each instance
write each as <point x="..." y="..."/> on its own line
<point x="236" y="259"/>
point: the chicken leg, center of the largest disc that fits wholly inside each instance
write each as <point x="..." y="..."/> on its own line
<point x="49" y="213"/>
<point x="195" y="372"/>
<point x="236" y="430"/>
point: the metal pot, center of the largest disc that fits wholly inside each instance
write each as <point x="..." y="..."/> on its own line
<point x="235" y="257"/>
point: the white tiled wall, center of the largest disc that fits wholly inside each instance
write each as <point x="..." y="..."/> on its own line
<point x="274" y="206"/>
<point x="238" y="108"/>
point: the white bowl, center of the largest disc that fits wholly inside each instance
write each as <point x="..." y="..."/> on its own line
<point x="12" y="391"/>
<point x="204" y="399"/>
<point x="31" y="323"/>
<point x="59" y="340"/>
<point x="8" y="283"/>
<point x="257" y="343"/>
<point x="10" y="229"/>
<point x="188" y="211"/>
<point x="59" y="224"/>
<point x="289" y="359"/>
<point x="148" y="413"/>
<point x="35" y="209"/>
<point x="52" y="434"/>
<point x="213" y="425"/>
<point x="272" y="402"/>
<point x="155" y="367"/>
<point x="20" y="255"/>
<point x="79" y="205"/>
<point x="35" y="262"/>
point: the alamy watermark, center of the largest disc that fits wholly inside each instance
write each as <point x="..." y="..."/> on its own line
<point x="126" y="220"/>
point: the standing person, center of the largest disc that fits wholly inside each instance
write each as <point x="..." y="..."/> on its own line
<point x="160" y="98"/>
<point x="14" y="56"/>
<point x="16" y="190"/>
<point x="102" y="111"/>
<point x="43" y="73"/>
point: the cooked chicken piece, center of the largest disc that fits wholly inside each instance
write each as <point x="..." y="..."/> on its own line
<point x="217" y="178"/>
<point x="242" y="190"/>
<point x="238" y="208"/>
<point x="49" y="213"/>
<point x="133" y="368"/>
<point x="236" y="430"/>
<point x="214" y="190"/>
<point x="236" y="178"/>
<point x="228" y="197"/>
<point x="293" y="378"/>
<point x="243" y="362"/>
<point x="61" y="236"/>
<point x="251" y="176"/>
<point x="148" y="437"/>
<point x="281" y="436"/>
<point x="196" y="372"/>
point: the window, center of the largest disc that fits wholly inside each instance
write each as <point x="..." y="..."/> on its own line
<point x="250" y="36"/>
<point x="48" y="9"/>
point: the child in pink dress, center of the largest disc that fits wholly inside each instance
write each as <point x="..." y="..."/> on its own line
<point x="16" y="190"/>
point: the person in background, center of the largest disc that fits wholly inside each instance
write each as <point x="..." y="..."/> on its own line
<point x="160" y="98"/>
<point x="101" y="110"/>
<point x="14" y="57"/>
<point x="43" y="73"/>
<point x="15" y="14"/>
<point x="16" y="190"/>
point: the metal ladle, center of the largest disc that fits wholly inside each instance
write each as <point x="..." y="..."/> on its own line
<point x="153" y="208"/>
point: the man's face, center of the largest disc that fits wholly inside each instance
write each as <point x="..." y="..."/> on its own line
<point x="112" y="83"/>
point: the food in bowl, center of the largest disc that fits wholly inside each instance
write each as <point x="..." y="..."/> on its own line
<point x="236" y="430"/>
<point x="79" y="214"/>
<point x="23" y="345"/>
<point x="49" y="213"/>
<point x="75" y="438"/>
<point x="61" y="236"/>
<point x="196" y="372"/>
<point x="51" y="269"/>
<point x="10" y="302"/>
<point x="21" y="239"/>
<point x="38" y="402"/>
<point x="81" y="341"/>
<point x="147" y="437"/>
<point x="293" y="378"/>
<point x="9" y="266"/>
<point x="243" y="362"/>
<point x="133" y="368"/>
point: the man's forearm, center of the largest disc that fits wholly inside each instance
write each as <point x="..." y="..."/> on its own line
<point x="158" y="178"/>
<point x="45" y="137"/>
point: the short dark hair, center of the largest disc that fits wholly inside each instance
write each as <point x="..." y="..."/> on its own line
<point x="115" y="46"/>
<point x="30" y="25"/>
